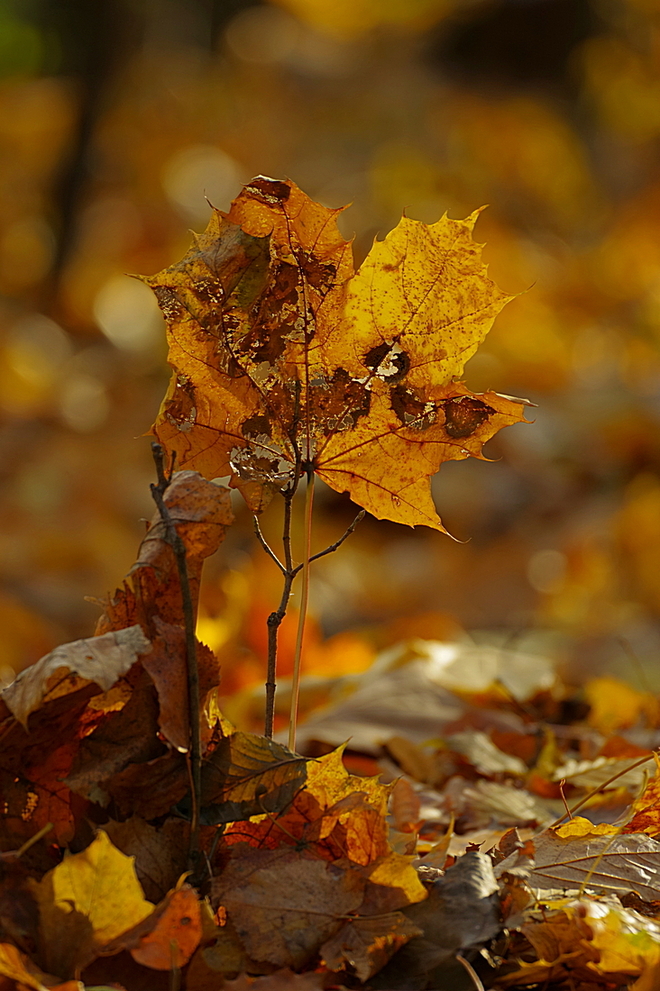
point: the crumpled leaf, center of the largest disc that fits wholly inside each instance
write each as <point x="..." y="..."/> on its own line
<point x="281" y="357"/>
<point x="646" y="809"/>
<point x="201" y="511"/>
<point x="582" y="937"/>
<point x="86" y="902"/>
<point x="99" y="660"/>
<point x="123" y="737"/>
<point x="462" y="910"/>
<point x="167" y="668"/>
<point x="366" y="944"/>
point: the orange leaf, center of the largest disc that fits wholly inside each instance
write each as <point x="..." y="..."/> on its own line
<point x="284" y="359"/>
<point x="176" y="934"/>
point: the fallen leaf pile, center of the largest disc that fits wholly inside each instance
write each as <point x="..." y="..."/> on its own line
<point x="455" y="863"/>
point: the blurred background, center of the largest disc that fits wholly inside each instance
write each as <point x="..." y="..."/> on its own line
<point x="119" y="119"/>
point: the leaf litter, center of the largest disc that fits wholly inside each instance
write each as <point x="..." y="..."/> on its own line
<point x="449" y="866"/>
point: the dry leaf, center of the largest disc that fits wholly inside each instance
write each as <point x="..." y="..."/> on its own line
<point x="18" y="967"/>
<point x="67" y="669"/>
<point x="284" y="904"/>
<point x="247" y="775"/>
<point x="85" y="903"/>
<point x="281" y="980"/>
<point x="174" y="932"/>
<point x="646" y="809"/>
<point x="366" y="944"/>
<point x="611" y="863"/>
<point x="461" y="910"/>
<point x="159" y="853"/>
<point x="201" y="511"/>
<point x="282" y="358"/>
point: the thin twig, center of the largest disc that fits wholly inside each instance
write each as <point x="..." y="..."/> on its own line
<point x="302" y="616"/>
<point x="179" y="549"/>
<point x="16" y="854"/>
<point x="337" y="544"/>
<point x="471" y="971"/>
<point x="289" y="573"/>
<point x="601" y="787"/>
<point x="266" y="546"/>
<point x="275" y="619"/>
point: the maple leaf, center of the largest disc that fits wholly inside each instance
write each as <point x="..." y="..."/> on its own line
<point x="85" y="902"/>
<point x="598" y="858"/>
<point x="286" y="362"/>
<point x="248" y="775"/>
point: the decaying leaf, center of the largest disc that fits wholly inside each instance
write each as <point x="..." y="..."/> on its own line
<point x="285" y="904"/>
<point x="646" y="809"/>
<point x="284" y="359"/>
<point x="366" y="944"/>
<point x="167" y="667"/>
<point x="201" y="512"/>
<point x="100" y="661"/>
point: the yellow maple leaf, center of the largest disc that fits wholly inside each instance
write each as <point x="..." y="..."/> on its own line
<point x="86" y="902"/>
<point x="287" y="362"/>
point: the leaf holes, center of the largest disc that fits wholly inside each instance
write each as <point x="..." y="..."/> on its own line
<point x="388" y="361"/>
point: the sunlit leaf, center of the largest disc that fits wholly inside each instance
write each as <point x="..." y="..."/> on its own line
<point x="87" y="901"/>
<point x="283" y="359"/>
<point x="248" y="775"/>
<point x="67" y="669"/>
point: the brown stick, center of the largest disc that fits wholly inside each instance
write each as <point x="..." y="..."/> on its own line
<point x="194" y="723"/>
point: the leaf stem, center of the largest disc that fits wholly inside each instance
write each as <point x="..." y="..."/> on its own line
<point x="179" y="548"/>
<point x="302" y="616"/>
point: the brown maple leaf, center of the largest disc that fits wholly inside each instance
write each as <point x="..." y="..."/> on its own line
<point x="286" y="361"/>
